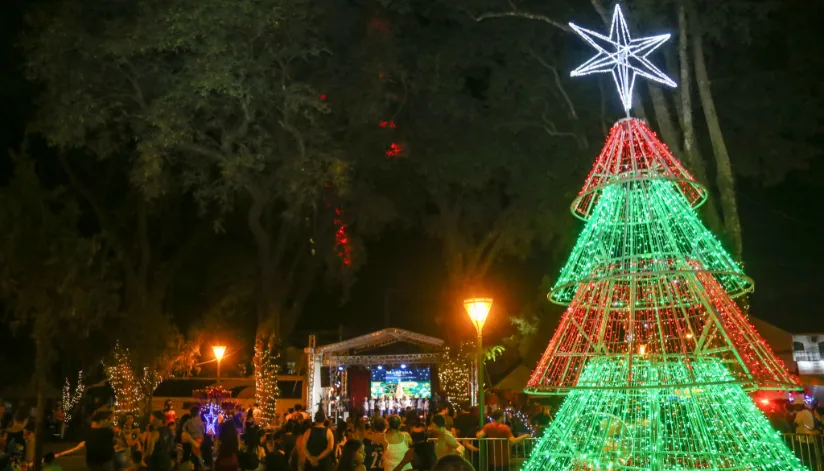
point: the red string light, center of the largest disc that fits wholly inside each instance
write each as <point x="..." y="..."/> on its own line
<point x="395" y="150"/>
<point x="342" y="243"/>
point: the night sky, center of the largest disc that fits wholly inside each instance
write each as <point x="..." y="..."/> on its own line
<point x="780" y="205"/>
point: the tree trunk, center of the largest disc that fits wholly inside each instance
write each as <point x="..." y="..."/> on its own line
<point x="692" y="152"/>
<point x="40" y="372"/>
<point x="724" y="176"/>
<point x="664" y="118"/>
<point x="266" y="365"/>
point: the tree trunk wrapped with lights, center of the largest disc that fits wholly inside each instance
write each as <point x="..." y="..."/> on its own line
<point x="654" y="354"/>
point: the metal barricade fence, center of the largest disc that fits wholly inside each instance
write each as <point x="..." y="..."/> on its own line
<point x="503" y="456"/>
<point x="808" y="448"/>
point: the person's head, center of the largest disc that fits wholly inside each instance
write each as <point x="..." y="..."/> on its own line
<point x="452" y="463"/>
<point x="194" y="411"/>
<point x="102" y="417"/>
<point x="465" y="406"/>
<point x="21" y="416"/>
<point x="443" y="409"/>
<point x="158" y="419"/>
<point x="378" y="424"/>
<point x="439" y="422"/>
<point x="352" y="455"/>
<point x="48" y="458"/>
<point x="298" y="407"/>
<point x="291" y="410"/>
<point x="819" y="411"/>
<point x="498" y="416"/>
<point x="320" y="417"/>
<point x="229" y="443"/>
<point x="394" y="423"/>
<point x="798" y="407"/>
<point x="167" y="405"/>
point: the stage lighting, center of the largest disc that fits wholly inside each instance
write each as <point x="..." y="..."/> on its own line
<point x="403" y="365"/>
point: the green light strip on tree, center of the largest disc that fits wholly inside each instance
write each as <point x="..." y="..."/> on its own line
<point x="712" y="427"/>
<point x="645" y="226"/>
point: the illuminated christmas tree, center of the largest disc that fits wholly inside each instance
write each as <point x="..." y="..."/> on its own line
<point x="654" y="354"/>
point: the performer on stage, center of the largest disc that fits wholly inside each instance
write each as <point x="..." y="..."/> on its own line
<point x="382" y="406"/>
<point x="371" y="409"/>
<point x="366" y="410"/>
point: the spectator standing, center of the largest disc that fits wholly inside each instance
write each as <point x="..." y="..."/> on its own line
<point x="100" y="441"/>
<point x="161" y="444"/>
<point x="318" y="445"/>
<point x="466" y="424"/>
<point x="498" y="450"/>
<point x="446" y="444"/>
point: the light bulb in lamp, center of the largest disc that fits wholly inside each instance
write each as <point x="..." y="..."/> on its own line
<point x="478" y="310"/>
<point x="219" y="351"/>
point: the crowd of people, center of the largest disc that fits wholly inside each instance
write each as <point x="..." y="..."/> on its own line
<point x="300" y="442"/>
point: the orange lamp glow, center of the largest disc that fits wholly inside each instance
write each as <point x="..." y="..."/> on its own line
<point x="478" y="310"/>
<point x="219" y="351"/>
<point x="642" y="349"/>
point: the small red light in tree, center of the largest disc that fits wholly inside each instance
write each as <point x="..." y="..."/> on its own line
<point x="395" y="150"/>
<point x="344" y="248"/>
<point x="323" y="97"/>
<point x="387" y="124"/>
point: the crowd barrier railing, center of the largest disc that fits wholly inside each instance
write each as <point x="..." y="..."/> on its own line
<point x="504" y="456"/>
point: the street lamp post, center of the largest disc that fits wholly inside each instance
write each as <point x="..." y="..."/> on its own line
<point x="478" y="310"/>
<point x="219" y="351"/>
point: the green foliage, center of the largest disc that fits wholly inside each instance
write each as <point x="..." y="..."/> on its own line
<point x="493" y="352"/>
<point x="53" y="280"/>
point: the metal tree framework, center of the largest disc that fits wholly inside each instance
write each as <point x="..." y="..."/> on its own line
<point x="654" y="353"/>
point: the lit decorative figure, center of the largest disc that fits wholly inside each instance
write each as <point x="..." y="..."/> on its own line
<point x="623" y="57"/>
<point x="211" y="412"/>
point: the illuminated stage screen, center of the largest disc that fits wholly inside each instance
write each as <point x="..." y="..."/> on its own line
<point x="413" y="381"/>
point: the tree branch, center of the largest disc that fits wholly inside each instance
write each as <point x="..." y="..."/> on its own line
<point x="522" y="14"/>
<point x="558" y="82"/>
<point x="107" y="224"/>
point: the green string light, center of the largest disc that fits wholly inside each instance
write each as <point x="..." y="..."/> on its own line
<point x="712" y="427"/>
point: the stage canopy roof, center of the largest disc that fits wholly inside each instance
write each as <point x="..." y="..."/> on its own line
<point x="374" y="349"/>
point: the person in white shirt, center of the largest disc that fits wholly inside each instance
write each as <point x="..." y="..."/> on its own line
<point x="804" y="422"/>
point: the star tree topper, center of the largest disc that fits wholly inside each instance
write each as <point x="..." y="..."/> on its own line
<point x="623" y="57"/>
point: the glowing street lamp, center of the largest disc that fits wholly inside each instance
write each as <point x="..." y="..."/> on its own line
<point x="219" y="351"/>
<point x="478" y="310"/>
